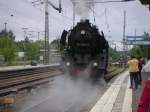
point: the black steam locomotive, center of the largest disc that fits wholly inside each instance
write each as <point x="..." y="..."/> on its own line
<point x="84" y="47"/>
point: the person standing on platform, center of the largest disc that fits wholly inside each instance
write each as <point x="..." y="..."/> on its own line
<point x="133" y="70"/>
<point x="141" y="63"/>
<point x="144" y="103"/>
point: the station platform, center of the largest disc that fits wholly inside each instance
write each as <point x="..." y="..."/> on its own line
<point x="7" y="68"/>
<point x="119" y="97"/>
<point x="21" y="67"/>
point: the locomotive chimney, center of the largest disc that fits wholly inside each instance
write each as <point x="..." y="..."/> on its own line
<point x="84" y="20"/>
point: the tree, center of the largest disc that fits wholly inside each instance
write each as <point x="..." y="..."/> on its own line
<point x="141" y="50"/>
<point x="32" y="50"/>
<point x="20" y="45"/>
<point x="137" y="51"/>
<point x="8" y="46"/>
<point x="146" y="34"/>
<point x="55" y="44"/>
<point x="8" y="34"/>
<point x="113" y="54"/>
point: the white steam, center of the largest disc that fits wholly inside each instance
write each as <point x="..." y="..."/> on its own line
<point x="83" y="7"/>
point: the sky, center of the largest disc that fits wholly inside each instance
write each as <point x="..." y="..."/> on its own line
<point x="108" y="17"/>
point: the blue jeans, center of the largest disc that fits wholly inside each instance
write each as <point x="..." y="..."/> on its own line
<point x="139" y="78"/>
<point x="134" y="78"/>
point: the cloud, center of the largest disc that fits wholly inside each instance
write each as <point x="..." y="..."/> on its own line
<point x="25" y="15"/>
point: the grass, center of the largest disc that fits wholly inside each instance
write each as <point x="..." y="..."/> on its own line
<point x="113" y="71"/>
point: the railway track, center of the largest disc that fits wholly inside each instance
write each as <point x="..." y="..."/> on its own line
<point x="14" y="80"/>
<point x="6" y="74"/>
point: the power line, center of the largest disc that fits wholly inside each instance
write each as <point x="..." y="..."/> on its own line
<point x="96" y="14"/>
<point x="111" y="1"/>
<point x="106" y="20"/>
<point x="50" y="11"/>
<point x="41" y="10"/>
<point x="47" y="3"/>
<point x="18" y="24"/>
<point x="12" y="21"/>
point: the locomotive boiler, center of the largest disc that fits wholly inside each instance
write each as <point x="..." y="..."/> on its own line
<point x="84" y="47"/>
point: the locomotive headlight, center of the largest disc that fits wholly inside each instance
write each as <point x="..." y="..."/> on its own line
<point x="82" y="32"/>
<point x="95" y="64"/>
<point x="68" y="64"/>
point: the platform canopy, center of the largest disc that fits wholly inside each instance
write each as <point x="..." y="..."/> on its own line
<point x="138" y="40"/>
<point x="133" y="38"/>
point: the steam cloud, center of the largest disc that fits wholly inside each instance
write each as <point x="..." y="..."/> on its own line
<point x="82" y="7"/>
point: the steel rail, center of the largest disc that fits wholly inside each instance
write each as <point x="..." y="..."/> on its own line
<point x="6" y="74"/>
<point x="13" y="80"/>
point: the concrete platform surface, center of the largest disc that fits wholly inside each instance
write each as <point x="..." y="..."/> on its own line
<point x="119" y="97"/>
<point x="137" y="93"/>
<point x="109" y="100"/>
